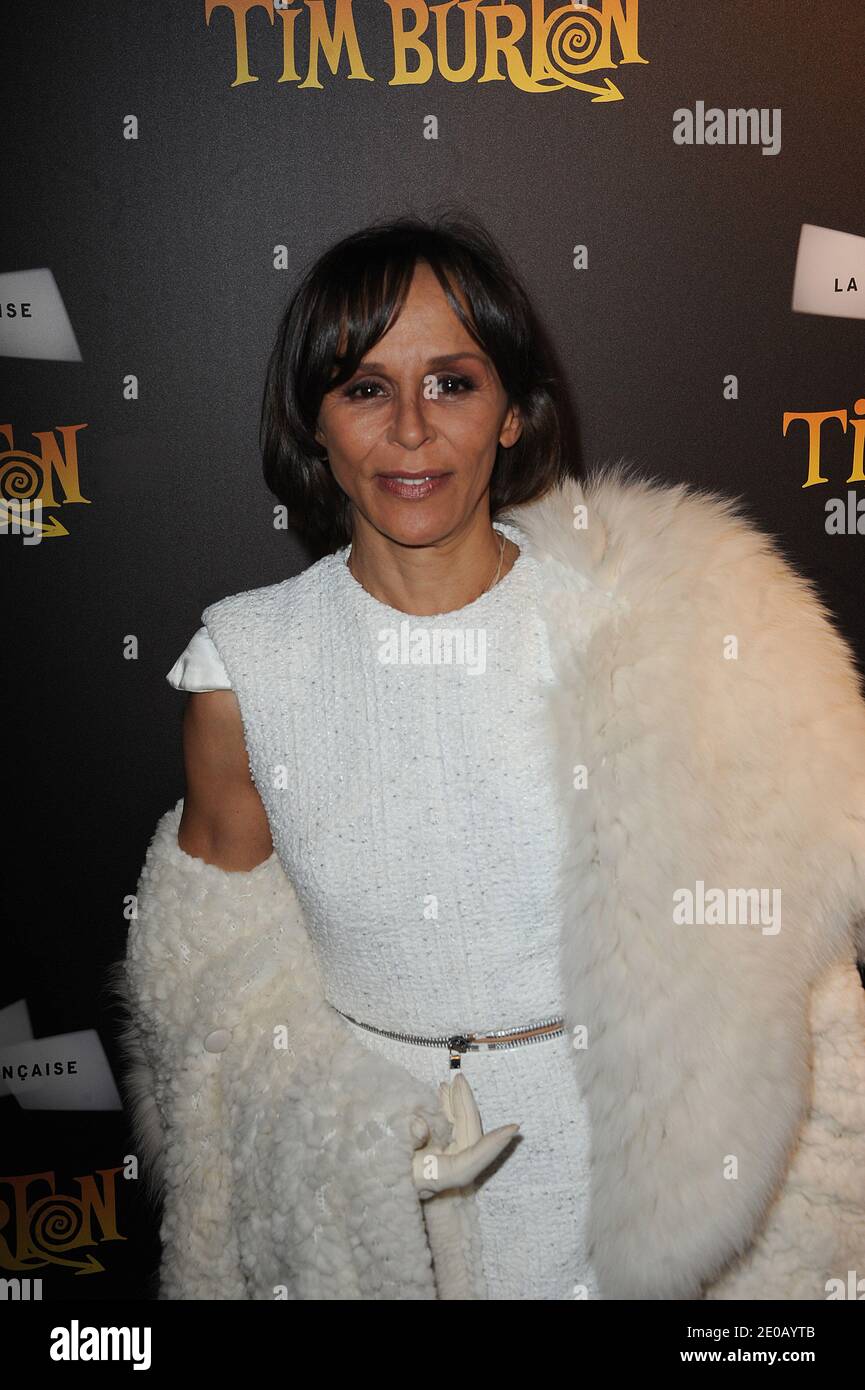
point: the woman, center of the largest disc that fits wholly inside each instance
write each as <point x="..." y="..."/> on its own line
<point x="447" y="792"/>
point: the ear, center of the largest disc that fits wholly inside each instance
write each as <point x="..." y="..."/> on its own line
<point x="512" y="427"/>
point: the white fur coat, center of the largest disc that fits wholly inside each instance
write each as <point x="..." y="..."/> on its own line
<point x="710" y="739"/>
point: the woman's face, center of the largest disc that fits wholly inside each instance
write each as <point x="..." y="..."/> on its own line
<point x="425" y="400"/>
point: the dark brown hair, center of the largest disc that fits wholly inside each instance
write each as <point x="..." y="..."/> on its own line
<point x="351" y="295"/>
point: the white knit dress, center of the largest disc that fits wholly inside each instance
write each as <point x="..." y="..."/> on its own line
<point x="420" y="832"/>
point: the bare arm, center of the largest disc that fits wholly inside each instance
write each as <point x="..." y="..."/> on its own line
<point x="223" y="821"/>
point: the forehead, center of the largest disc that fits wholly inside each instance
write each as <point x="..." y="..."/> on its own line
<point x="426" y="324"/>
<point x="427" y="317"/>
<point x="426" y="293"/>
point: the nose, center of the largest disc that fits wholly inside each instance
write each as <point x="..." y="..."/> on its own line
<point x="410" y="426"/>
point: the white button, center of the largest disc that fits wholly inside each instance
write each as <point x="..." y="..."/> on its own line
<point x="218" y="1040"/>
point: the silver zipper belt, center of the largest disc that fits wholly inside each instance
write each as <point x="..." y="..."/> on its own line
<point x="458" y="1043"/>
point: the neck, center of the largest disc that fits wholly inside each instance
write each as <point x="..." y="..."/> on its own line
<point x="426" y="579"/>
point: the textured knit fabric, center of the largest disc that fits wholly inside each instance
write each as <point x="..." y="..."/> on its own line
<point x="417" y="790"/>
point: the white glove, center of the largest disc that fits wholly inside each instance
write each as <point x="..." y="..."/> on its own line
<point x="470" y="1151"/>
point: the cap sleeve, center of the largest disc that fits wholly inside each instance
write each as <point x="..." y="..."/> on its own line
<point x="199" y="666"/>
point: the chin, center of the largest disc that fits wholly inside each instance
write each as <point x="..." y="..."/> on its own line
<point x="419" y="530"/>
<point x="410" y="522"/>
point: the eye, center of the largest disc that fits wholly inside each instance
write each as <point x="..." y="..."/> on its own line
<point x="459" y="384"/>
<point x="463" y="382"/>
<point x="352" y="391"/>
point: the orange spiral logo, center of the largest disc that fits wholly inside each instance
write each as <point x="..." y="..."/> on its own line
<point x="55" y="1224"/>
<point x="20" y="476"/>
<point x="573" y="38"/>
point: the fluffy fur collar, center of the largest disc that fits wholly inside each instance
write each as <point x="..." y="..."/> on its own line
<point x="717" y="715"/>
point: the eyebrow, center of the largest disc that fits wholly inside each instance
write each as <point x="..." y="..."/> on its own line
<point x="443" y="360"/>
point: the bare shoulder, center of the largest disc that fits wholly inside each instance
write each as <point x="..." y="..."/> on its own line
<point x="223" y="821"/>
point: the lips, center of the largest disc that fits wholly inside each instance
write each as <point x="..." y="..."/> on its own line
<point x="412" y="487"/>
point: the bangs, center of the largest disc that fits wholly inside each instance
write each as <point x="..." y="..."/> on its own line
<point x="363" y="298"/>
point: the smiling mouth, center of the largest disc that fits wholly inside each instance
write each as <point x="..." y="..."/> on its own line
<point x="412" y="477"/>
<point x="411" y="486"/>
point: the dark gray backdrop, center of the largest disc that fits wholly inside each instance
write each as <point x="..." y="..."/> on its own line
<point x="162" y="249"/>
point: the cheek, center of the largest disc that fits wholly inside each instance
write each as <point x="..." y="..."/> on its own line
<point x="472" y="428"/>
<point x="344" y="427"/>
<point x="351" y="436"/>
